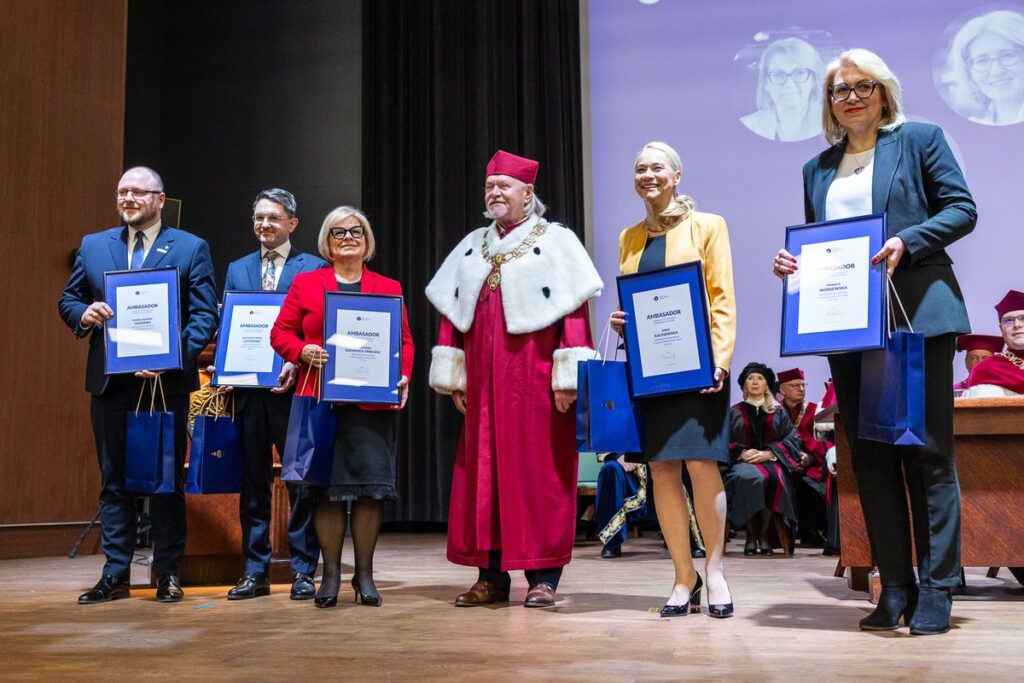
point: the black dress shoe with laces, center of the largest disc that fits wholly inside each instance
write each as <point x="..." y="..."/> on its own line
<point x="106" y="589"/>
<point x="168" y="589"/>
<point x="893" y="603"/>
<point x="303" y="587"/>
<point x="250" y="586"/>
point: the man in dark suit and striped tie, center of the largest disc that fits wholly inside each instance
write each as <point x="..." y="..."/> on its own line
<point x="262" y="414"/>
<point x="142" y="241"/>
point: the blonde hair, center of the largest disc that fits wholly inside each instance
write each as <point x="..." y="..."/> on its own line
<point x="957" y="79"/>
<point x="323" y="241"/>
<point x="681" y="205"/>
<point x="769" y="405"/>
<point x="889" y="86"/>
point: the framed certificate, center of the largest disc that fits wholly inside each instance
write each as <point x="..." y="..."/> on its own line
<point x="835" y="302"/>
<point x="667" y="336"/>
<point x="145" y="332"/>
<point x="363" y="338"/>
<point x="244" y="356"/>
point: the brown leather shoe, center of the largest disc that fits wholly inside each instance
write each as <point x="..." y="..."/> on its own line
<point x="482" y="593"/>
<point x="541" y="595"/>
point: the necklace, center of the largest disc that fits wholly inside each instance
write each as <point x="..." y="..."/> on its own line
<point x="494" y="279"/>
<point x="861" y="165"/>
<point x="1013" y="358"/>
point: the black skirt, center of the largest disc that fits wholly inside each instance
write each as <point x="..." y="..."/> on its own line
<point x="690" y="426"/>
<point x="364" y="456"/>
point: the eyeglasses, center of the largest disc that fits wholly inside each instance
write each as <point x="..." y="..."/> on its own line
<point x="1011" y="320"/>
<point x="842" y="92"/>
<point x="138" y="194"/>
<point x="339" y="234"/>
<point x="795" y="385"/>
<point x="778" y="77"/>
<point x="1005" y="58"/>
<point x="268" y="217"/>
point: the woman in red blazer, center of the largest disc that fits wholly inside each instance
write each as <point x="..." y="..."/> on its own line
<point x="364" y="449"/>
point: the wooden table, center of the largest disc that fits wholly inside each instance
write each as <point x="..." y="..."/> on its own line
<point x="989" y="436"/>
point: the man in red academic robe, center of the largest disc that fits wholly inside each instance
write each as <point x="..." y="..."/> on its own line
<point x="1002" y="374"/>
<point x="809" y="481"/>
<point x="513" y="298"/>
<point x="977" y="347"/>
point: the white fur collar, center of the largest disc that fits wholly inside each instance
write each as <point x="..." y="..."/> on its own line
<point x="550" y="281"/>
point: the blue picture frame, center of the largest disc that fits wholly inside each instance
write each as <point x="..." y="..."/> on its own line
<point x="673" y="301"/>
<point x="237" y="305"/>
<point x="358" y="351"/>
<point x="137" y="345"/>
<point x="797" y="342"/>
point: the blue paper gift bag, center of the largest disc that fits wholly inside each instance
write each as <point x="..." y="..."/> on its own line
<point x="309" y="445"/>
<point x="149" y="452"/>
<point x="215" y="460"/>
<point x="606" y="417"/>
<point x="892" y="392"/>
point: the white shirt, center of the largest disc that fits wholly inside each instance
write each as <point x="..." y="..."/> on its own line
<point x="850" y="192"/>
<point x="282" y="256"/>
<point x="149" y="235"/>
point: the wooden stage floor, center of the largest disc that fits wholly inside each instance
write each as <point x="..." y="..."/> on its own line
<point x="794" y="622"/>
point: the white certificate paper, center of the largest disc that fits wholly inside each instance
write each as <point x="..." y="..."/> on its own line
<point x="834" y="286"/>
<point x="665" y="330"/>
<point x="249" y="349"/>
<point x="141" y="321"/>
<point x="361" y="349"/>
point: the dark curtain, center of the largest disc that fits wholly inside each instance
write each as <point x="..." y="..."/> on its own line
<point x="445" y="84"/>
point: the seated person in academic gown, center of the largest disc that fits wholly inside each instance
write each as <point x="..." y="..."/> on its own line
<point x="763" y="450"/>
<point x="619" y="501"/>
<point x="978" y="347"/>
<point x="809" y="477"/>
<point x="1002" y="374"/>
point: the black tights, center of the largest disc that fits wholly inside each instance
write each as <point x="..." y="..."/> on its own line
<point x="331" y="518"/>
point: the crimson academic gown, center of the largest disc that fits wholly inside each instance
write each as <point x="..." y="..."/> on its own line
<point x="997" y="370"/>
<point x="514" y="484"/>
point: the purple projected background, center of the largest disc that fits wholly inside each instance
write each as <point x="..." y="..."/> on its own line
<point x="686" y="72"/>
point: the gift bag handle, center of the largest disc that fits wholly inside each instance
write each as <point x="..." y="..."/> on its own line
<point x="318" y="383"/>
<point x="890" y="293"/>
<point x="603" y="344"/>
<point x="152" y="395"/>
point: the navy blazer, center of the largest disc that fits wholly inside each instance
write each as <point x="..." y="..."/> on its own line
<point x="108" y="250"/>
<point x="246" y="274"/>
<point x="918" y="183"/>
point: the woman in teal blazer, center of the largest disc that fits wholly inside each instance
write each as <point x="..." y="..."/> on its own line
<point x="880" y="162"/>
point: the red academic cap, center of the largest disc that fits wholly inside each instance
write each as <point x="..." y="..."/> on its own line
<point x="979" y="342"/>
<point x="1013" y="301"/>
<point x="520" y="168"/>
<point x="790" y="375"/>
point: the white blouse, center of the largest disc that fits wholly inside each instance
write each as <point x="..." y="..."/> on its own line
<point x="850" y="192"/>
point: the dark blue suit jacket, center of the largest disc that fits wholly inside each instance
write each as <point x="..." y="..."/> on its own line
<point x="246" y="274"/>
<point x="108" y="250"/>
<point x="918" y="183"/>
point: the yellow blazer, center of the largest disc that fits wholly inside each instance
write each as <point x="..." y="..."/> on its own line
<point x="700" y="237"/>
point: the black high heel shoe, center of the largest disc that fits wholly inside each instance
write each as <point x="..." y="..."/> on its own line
<point x="371" y="599"/>
<point x="326" y="601"/>
<point x="893" y="603"/>
<point x="693" y="606"/>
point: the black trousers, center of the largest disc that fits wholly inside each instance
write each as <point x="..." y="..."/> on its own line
<point x="492" y="572"/>
<point x="118" y="512"/>
<point x="887" y="474"/>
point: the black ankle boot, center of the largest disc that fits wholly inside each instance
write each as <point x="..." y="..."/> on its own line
<point x="932" y="614"/>
<point x="893" y="603"/>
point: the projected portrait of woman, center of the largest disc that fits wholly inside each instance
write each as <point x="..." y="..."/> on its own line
<point x="983" y="77"/>
<point x="788" y="92"/>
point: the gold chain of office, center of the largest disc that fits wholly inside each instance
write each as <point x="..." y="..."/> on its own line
<point x="496" y="261"/>
<point x="1013" y="358"/>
